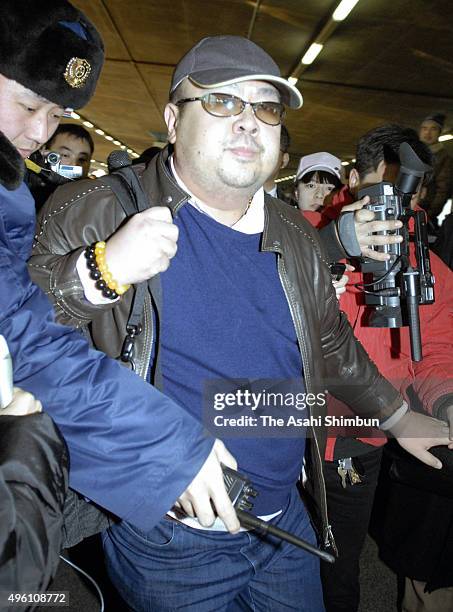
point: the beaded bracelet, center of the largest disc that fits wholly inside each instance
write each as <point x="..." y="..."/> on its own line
<point x="99" y="272"/>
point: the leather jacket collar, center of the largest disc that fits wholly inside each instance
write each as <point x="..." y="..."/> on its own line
<point x="160" y="186"/>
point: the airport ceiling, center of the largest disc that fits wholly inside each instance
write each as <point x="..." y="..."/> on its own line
<point x="389" y="61"/>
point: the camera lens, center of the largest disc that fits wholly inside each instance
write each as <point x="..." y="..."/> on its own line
<point x="53" y="158"/>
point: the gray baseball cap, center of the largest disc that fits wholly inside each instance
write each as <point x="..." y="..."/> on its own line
<point x="222" y="60"/>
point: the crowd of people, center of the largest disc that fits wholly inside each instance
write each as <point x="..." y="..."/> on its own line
<point x="129" y="310"/>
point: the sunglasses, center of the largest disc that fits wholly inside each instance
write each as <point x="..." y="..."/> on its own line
<point x="226" y="105"/>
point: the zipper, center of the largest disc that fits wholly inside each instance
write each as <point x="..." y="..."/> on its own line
<point x="148" y="330"/>
<point x="328" y="538"/>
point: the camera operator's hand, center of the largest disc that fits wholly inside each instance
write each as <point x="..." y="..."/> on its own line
<point x="365" y="226"/>
<point x="142" y="247"/>
<point x="340" y="285"/>
<point x="207" y="491"/>
<point x="417" y="433"/>
<point x="23" y="403"/>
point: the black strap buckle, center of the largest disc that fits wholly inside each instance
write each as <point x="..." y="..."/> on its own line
<point x="127" y="351"/>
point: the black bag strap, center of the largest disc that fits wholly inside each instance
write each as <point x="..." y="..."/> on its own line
<point x="133" y="199"/>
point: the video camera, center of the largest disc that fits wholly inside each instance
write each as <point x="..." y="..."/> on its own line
<point x="50" y="169"/>
<point x="398" y="288"/>
<point x="54" y="161"/>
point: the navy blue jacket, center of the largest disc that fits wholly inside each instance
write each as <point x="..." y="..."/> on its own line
<point x="132" y="450"/>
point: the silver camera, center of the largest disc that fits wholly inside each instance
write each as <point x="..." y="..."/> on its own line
<point x="70" y="172"/>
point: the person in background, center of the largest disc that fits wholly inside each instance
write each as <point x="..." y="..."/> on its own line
<point x="74" y="144"/>
<point x="440" y="189"/>
<point x="318" y="177"/>
<point x="350" y="489"/>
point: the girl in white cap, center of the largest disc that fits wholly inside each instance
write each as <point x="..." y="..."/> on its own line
<point x="318" y="175"/>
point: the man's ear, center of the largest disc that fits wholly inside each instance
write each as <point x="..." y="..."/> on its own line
<point x="171" y="116"/>
<point x="354" y="179"/>
<point x="285" y="161"/>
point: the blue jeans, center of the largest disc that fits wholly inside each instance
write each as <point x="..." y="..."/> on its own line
<point x="175" y="567"/>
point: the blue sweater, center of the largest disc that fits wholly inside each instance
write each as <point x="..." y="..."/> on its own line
<point x="225" y="316"/>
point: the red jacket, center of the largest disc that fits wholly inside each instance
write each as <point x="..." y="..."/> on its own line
<point x="432" y="377"/>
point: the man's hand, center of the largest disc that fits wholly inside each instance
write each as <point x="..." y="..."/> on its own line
<point x="23" y="403"/>
<point x="142" y="247"/>
<point x="365" y="226"/>
<point x="207" y="490"/>
<point x="417" y="433"/>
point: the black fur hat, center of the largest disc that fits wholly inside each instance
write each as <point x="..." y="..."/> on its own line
<point x="51" y="48"/>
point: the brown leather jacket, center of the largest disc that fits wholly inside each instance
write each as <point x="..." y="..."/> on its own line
<point x="86" y="211"/>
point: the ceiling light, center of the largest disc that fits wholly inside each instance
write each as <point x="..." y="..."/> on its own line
<point x="343" y="9"/>
<point x="74" y="115"/>
<point x="285" y="178"/>
<point x="292" y="80"/>
<point x="100" y="132"/>
<point x="345" y="163"/>
<point x="311" y="54"/>
<point x="116" y="142"/>
<point x="88" y="124"/>
<point x="107" y="137"/>
<point x="445" y="137"/>
<point x="129" y="150"/>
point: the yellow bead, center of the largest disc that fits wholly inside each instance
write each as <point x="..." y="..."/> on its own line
<point x="122" y="289"/>
<point x="107" y="277"/>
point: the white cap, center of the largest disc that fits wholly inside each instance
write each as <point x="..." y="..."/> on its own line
<point x="319" y="161"/>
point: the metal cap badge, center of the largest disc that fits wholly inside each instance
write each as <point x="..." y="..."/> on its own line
<point x="77" y="72"/>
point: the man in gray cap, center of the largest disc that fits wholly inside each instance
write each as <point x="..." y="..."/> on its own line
<point x="244" y="302"/>
<point x="441" y="186"/>
<point x="133" y="451"/>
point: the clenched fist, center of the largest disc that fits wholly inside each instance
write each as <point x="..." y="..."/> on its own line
<point x="142" y="247"/>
